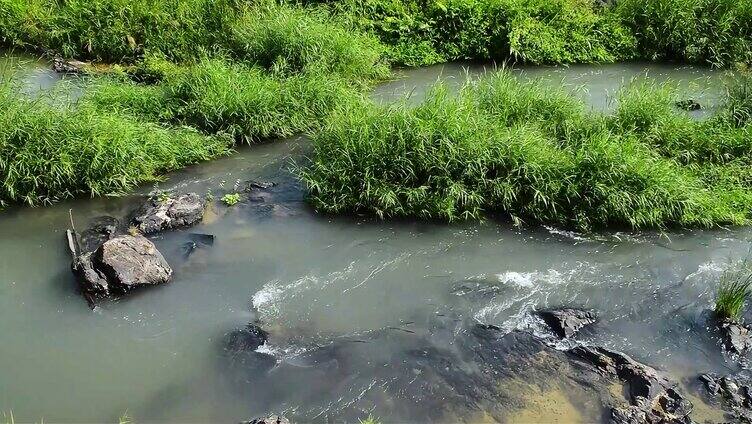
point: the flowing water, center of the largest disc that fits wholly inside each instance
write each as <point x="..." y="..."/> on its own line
<point x="357" y="309"/>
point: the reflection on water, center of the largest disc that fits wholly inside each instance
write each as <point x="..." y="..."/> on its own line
<point x="365" y="317"/>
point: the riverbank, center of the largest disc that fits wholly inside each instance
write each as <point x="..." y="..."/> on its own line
<point x="231" y="73"/>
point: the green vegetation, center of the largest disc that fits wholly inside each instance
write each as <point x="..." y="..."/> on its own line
<point x="734" y="288"/>
<point x="520" y="149"/>
<point x="216" y="96"/>
<point x="421" y="32"/>
<point x="198" y="76"/>
<point x="49" y="151"/>
<point x="231" y="199"/>
<point x="186" y="97"/>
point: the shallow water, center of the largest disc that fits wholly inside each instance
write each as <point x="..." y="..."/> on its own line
<point x="348" y="301"/>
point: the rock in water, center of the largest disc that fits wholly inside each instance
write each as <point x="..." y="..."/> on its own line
<point x="271" y="419"/>
<point x="162" y="214"/>
<point x="568" y="321"/>
<point x="734" y="390"/>
<point x="652" y="396"/>
<point x="247" y="339"/>
<point x="737" y="338"/>
<point x="121" y="264"/>
<point x="689" y="104"/>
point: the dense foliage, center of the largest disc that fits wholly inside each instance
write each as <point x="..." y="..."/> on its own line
<point x="503" y="146"/>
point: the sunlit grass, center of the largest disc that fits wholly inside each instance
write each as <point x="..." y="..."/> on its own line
<point x="535" y="155"/>
<point x="734" y="288"/>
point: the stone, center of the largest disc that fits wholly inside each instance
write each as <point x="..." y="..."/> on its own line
<point x="737" y="338"/>
<point x="162" y="214"/>
<point x="271" y="419"/>
<point x="567" y="322"/>
<point x="650" y="392"/>
<point x="63" y="66"/>
<point x="100" y="230"/>
<point x="688" y="104"/>
<point x="246" y="339"/>
<point x="734" y="390"/>
<point x="121" y="264"/>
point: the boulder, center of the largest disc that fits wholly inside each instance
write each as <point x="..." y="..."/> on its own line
<point x="737" y="338"/>
<point x="568" y="321"/>
<point x="246" y="339"/>
<point x="162" y="214"/>
<point x="100" y="230"/>
<point x="121" y="264"/>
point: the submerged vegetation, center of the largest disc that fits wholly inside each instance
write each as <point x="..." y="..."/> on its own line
<point x="502" y="146"/>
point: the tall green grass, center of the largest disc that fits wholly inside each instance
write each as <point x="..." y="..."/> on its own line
<point x="734" y="288"/>
<point x="216" y="96"/>
<point x="525" y="151"/>
<point x="50" y="152"/>
<point x="282" y="38"/>
<point x="718" y="32"/>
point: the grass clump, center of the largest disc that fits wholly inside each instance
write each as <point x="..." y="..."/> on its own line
<point x="734" y="288"/>
<point x="519" y="149"/>
<point x="49" y="152"/>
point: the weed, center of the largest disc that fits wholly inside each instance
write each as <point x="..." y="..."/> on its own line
<point x="231" y="199"/>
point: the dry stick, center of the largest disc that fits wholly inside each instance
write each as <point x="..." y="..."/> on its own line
<point x="72" y="235"/>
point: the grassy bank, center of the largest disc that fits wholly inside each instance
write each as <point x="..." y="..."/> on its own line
<point x="199" y="77"/>
<point x="555" y="31"/>
<point x="49" y="152"/>
<point x="521" y="150"/>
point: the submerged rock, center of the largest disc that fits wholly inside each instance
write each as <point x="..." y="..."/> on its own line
<point x="734" y="390"/>
<point x="248" y="338"/>
<point x="121" y="264"/>
<point x="737" y="338"/>
<point x="271" y="419"/>
<point x="688" y="104"/>
<point x="651" y="393"/>
<point x="567" y="322"/>
<point x="162" y="214"/>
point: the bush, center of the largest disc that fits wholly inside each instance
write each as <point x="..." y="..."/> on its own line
<point x="718" y="32"/>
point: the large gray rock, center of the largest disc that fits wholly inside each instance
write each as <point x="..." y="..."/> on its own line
<point x="567" y="322"/>
<point x="121" y="264"/>
<point x="162" y="214"/>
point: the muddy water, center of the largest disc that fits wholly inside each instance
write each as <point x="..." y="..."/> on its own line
<point x="366" y="318"/>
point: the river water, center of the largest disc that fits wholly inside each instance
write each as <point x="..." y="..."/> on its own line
<point x="348" y="300"/>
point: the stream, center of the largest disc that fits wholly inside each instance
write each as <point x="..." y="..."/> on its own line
<point x="354" y="306"/>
